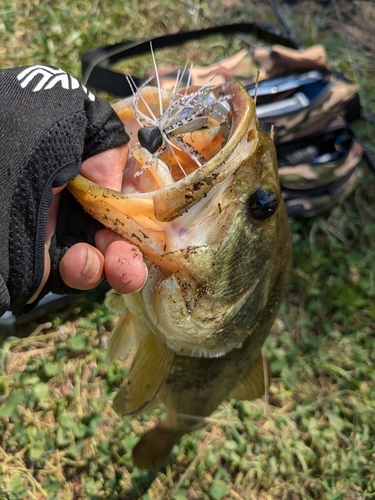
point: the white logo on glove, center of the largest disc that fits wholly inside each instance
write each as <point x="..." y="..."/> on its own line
<point x="49" y="78"/>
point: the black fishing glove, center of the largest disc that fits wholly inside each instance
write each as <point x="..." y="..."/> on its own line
<point x="50" y="123"/>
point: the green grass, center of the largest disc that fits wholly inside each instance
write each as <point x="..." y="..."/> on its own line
<point x="313" y="436"/>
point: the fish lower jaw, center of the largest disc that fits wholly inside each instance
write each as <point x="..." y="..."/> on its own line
<point x="182" y="348"/>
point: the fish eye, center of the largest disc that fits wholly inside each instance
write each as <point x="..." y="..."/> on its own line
<point x="262" y="203"/>
<point x="150" y="138"/>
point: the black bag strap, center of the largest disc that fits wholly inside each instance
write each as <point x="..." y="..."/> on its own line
<point x="97" y="74"/>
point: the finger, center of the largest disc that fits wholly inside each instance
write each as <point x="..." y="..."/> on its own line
<point x="106" y="168"/>
<point x="82" y="267"/>
<point x="52" y="215"/>
<point x="104" y="237"/>
<point x="50" y="229"/>
<point x="124" y="267"/>
<point x="47" y="268"/>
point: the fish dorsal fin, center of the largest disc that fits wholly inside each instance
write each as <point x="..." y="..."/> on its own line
<point x="122" y="338"/>
<point x="254" y="383"/>
<point x="148" y="373"/>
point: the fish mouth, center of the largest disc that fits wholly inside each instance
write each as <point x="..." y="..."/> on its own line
<point x="199" y="153"/>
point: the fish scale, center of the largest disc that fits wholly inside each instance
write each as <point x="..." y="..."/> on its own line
<point x="218" y="247"/>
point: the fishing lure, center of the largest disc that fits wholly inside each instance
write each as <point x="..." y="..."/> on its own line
<point x="185" y="113"/>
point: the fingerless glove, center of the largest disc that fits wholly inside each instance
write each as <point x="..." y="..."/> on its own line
<point x="49" y="124"/>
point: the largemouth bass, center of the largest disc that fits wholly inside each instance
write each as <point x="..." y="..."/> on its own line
<point x="202" y="201"/>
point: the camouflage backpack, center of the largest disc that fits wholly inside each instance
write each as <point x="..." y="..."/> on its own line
<point x="308" y="105"/>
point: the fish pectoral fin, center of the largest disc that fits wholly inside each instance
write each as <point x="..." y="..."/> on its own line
<point x="115" y="301"/>
<point x="149" y="371"/>
<point x="255" y="382"/>
<point x="122" y="338"/>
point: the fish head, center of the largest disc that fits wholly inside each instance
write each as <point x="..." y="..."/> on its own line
<point x="206" y="211"/>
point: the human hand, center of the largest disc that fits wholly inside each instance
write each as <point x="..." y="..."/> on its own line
<point x="84" y="266"/>
<point x="52" y="128"/>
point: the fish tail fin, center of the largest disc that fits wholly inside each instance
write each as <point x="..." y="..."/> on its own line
<point x="154" y="447"/>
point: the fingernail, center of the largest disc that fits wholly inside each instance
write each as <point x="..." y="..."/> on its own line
<point x="92" y="266"/>
<point x="145" y="280"/>
<point x="145" y="277"/>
